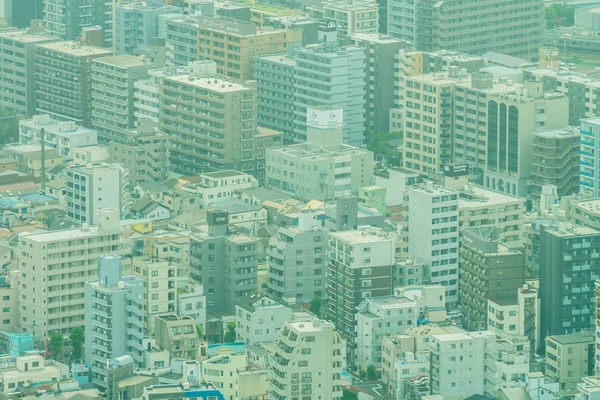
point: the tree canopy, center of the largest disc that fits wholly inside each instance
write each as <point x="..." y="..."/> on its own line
<point x="230" y="335"/>
<point x="77" y="337"/>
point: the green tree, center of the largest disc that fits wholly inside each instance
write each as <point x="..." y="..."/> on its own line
<point x="77" y="337"/>
<point x="371" y="373"/>
<point x="199" y="332"/>
<point x="559" y="15"/>
<point x="315" y="306"/>
<point x="230" y="333"/>
<point x="56" y="345"/>
<point x="379" y="144"/>
<point x="9" y="127"/>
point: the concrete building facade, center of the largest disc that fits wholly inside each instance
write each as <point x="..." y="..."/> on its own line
<point x="589" y="165"/>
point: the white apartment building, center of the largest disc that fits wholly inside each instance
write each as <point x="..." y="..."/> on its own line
<point x="64" y="136"/>
<point x="92" y="187"/>
<point x="160" y="287"/>
<point x="9" y="302"/>
<point x="307" y="361"/>
<point x="430" y="234"/>
<point x="146" y="93"/>
<point x="31" y="368"/>
<point x="220" y="186"/>
<point x="503" y="317"/>
<point x="258" y="318"/>
<point x="221" y="371"/>
<point x="377" y="318"/>
<point x="350" y="17"/>
<point x="54" y="268"/>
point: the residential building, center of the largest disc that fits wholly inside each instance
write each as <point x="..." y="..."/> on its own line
<point x="589" y="388"/>
<point x="28" y="158"/>
<point x="63" y="76"/>
<point x="489" y="269"/>
<point x="92" y="187"/>
<point x="360" y="264"/>
<point x="597" y="326"/>
<point x="191" y="302"/>
<point x="66" y="19"/>
<point x="430" y="234"/>
<point x="177" y="335"/>
<point x="380" y="53"/>
<point x="9" y="293"/>
<point x="585" y="212"/>
<point x="231" y="44"/>
<point x="146" y="102"/>
<point x="225" y="284"/>
<point x="373" y="197"/>
<point x="590" y="166"/>
<point x="159" y="277"/>
<point x="410" y="272"/>
<point x="569" y="358"/>
<point x="31" y="369"/>
<point x="569" y="252"/>
<point x="181" y="38"/>
<point x="307" y="361"/>
<point x="350" y="17"/>
<point x="112" y="93"/>
<point x="340" y="71"/>
<point x="93" y="153"/>
<point x="556" y="161"/>
<point x="143" y="151"/>
<point x="219" y="187"/>
<point x="258" y="318"/>
<point x="323" y="168"/>
<point x="114" y="318"/>
<point x="432" y="26"/>
<point x="297" y="260"/>
<point x="221" y="371"/>
<point x="204" y="145"/>
<point x="17" y="53"/>
<point x="50" y="300"/>
<point x="136" y="24"/>
<point x="181" y="391"/>
<point x="64" y="136"/>
<point x="377" y="318"/>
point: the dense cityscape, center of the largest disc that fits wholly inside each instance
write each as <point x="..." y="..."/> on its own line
<point x="300" y="199"/>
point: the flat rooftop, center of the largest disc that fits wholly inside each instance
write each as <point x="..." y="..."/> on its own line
<point x="75" y="49"/>
<point x="362" y="236"/>
<point x="125" y="61"/>
<point x="376" y="38"/>
<point x="573" y="338"/>
<point x="223" y="174"/>
<point x="391" y="301"/>
<point x="25" y="36"/>
<point x="279" y="59"/>
<point x="560" y="133"/>
<point x="591" y="206"/>
<point x="214" y="84"/>
<point x="479" y="196"/>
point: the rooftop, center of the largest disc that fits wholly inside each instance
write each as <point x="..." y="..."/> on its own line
<point x="452" y="337"/>
<point x="223" y="174"/>
<point x="573" y="338"/>
<point x="125" y="61"/>
<point x="211" y="83"/>
<point x="75" y="49"/>
<point x="279" y="58"/>
<point x="362" y="236"/>
<point x="591" y="205"/>
<point x="479" y="196"/>
<point x="376" y="38"/>
<point x="560" y="133"/>
<point x="310" y="151"/>
<point x="26" y="36"/>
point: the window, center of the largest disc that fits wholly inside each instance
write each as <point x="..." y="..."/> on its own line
<point x="154" y="308"/>
<point x="305" y="351"/>
<point x="188" y="306"/>
<point x="155" y="272"/>
<point x="303" y="363"/>
<point x="366" y="283"/>
<point x="366" y="272"/>
<point x="154" y="296"/>
<point x="154" y="285"/>
<point x="512" y="313"/>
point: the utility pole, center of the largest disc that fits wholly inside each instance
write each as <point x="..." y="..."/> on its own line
<point x="43" y="167"/>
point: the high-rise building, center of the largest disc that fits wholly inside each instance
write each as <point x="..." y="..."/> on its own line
<point x="144" y="152"/>
<point x="226" y="264"/>
<point x="360" y="266"/>
<point x="307" y="361"/>
<point x="597" y="327"/>
<point x="297" y="260"/>
<point x="380" y="51"/>
<point x="233" y="43"/>
<point x="112" y="93"/>
<point x="430" y="25"/>
<point x="569" y="267"/>
<point x="146" y="92"/>
<point x="211" y="123"/>
<point x="349" y="17"/>
<point x="555" y="158"/>
<point x="114" y="318"/>
<point x="91" y="187"/>
<point x="181" y="38"/>
<point x="340" y="72"/>
<point x="136" y="24"/>
<point x="63" y="76"/>
<point x="323" y="168"/>
<point x="430" y="234"/>
<point x="489" y="269"/>
<point x="589" y="178"/>
<point x="17" y="52"/>
<point x="65" y="19"/>
<point x="52" y="301"/>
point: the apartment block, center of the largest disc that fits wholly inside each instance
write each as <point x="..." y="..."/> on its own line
<point x="65" y="19"/>
<point x="63" y="76"/>
<point x="307" y="361"/>
<point x="144" y="152"/>
<point x="297" y="261"/>
<point x="17" y="58"/>
<point x="360" y="264"/>
<point x="181" y="38"/>
<point x="430" y="234"/>
<point x="211" y="123"/>
<point x="220" y="186"/>
<point x="64" y="136"/>
<point x="350" y="17"/>
<point x="136" y="24"/>
<point x="224" y="286"/>
<point x="191" y="302"/>
<point x="556" y="161"/>
<point x="146" y="101"/>
<point x="159" y="278"/>
<point x="380" y="53"/>
<point x="112" y="93"/>
<point x="568" y="359"/>
<point x="52" y="300"/>
<point x="232" y="44"/>
<point x="177" y="335"/>
<point x="590" y="166"/>
<point x="322" y="168"/>
<point x="114" y="318"/>
<point x="221" y="371"/>
<point x="340" y="71"/>
<point x="258" y="319"/>
<point x="513" y="28"/>
<point x="377" y="318"/>
<point x="489" y="269"/>
<point x="568" y="252"/>
<point x="585" y="212"/>
<point x="92" y="187"/>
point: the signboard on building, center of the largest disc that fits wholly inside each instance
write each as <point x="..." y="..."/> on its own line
<point x="20" y="343"/>
<point x="456" y="170"/>
<point x="217" y="217"/>
<point x="324" y="117"/>
<point x="226" y="26"/>
<point x="327" y="26"/>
